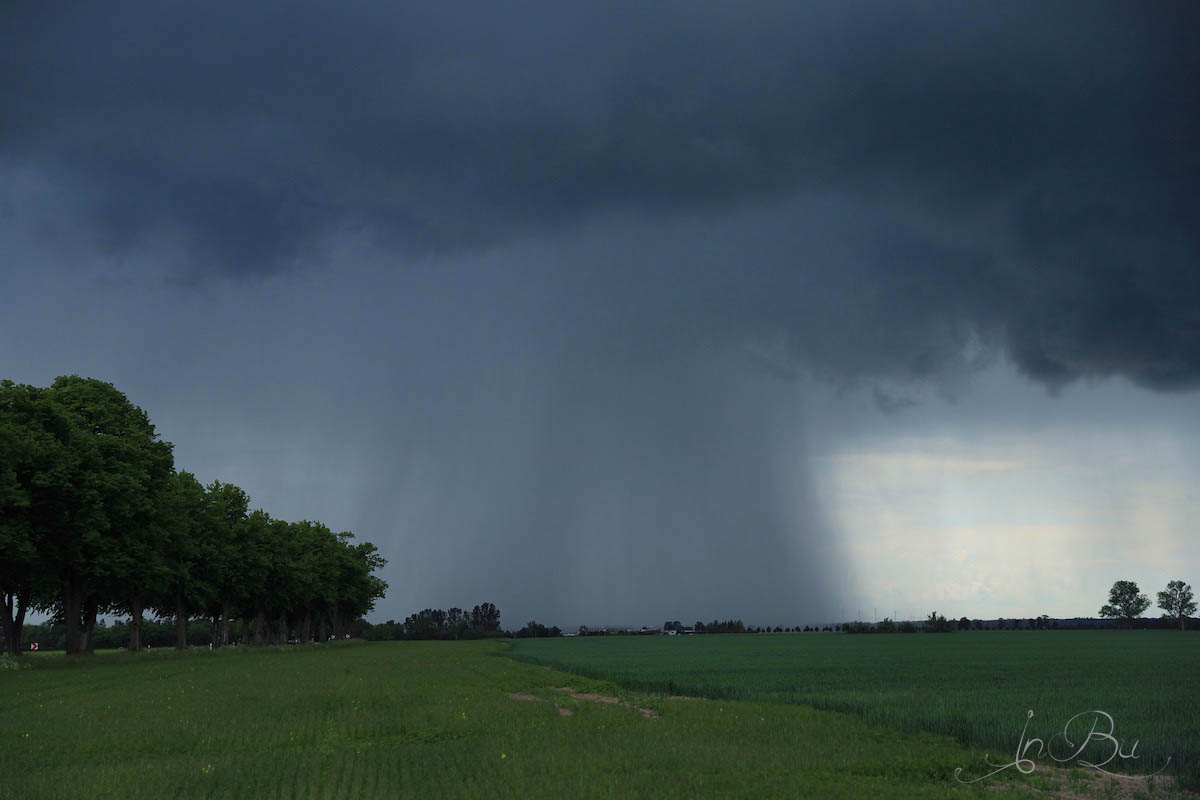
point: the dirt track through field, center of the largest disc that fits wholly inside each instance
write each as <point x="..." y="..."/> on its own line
<point x="588" y="696"/>
<point x="602" y="698"/>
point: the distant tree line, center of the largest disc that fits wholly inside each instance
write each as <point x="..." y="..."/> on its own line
<point x="95" y="519"/>
<point x="716" y="626"/>
<point x="536" y="630"/>
<point x="433" y="623"/>
<point x="1125" y="607"/>
<point x="1177" y="600"/>
<point x="482" y="621"/>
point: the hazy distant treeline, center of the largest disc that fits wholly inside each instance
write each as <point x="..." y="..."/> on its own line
<point x="433" y="623"/>
<point x="96" y="519"/>
<point x="482" y="621"/>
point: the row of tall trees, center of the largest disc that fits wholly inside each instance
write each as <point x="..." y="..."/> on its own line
<point x="96" y="519"/>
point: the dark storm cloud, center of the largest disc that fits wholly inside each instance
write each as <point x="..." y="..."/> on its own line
<point x="937" y="178"/>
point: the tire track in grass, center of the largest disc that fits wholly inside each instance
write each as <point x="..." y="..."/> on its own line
<point x="331" y="738"/>
<point x="349" y="777"/>
<point x="348" y="785"/>
<point x="334" y="784"/>
<point x="372" y="786"/>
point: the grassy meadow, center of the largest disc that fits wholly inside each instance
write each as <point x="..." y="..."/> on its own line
<point x="436" y="719"/>
<point x="973" y="686"/>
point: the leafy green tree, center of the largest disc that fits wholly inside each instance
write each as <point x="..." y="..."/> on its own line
<point x="46" y="511"/>
<point x="317" y="580"/>
<point x="262" y="585"/>
<point x="534" y="629"/>
<point x="18" y="555"/>
<point x="94" y="517"/>
<point x="304" y="583"/>
<point x="456" y="622"/>
<point x="34" y="481"/>
<point x="1177" y="601"/>
<point x="186" y="550"/>
<point x="427" y="623"/>
<point x="357" y="587"/>
<point x="119" y="472"/>
<point x="229" y="553"/>
<point x="282" y="583"/>
<point x="254" y="571"/>
<point x="1125" y="602"/>
<point x="325" y="554"/>
<point x="306" y="537"/>
<point x="138" y="570"/>
<point x="485" y="617"/>
<point x="936" y="623"/>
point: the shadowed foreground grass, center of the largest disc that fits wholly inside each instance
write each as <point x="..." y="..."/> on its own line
<point x="434" y="719"/>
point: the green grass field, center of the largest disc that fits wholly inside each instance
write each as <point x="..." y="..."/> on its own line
<point x="459" y="720"/>
<point x="437" y="719"/>
<point x="975" y="687"/>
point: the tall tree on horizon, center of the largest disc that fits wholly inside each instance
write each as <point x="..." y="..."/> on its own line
<point x="1177" y="600"/>
<point x="1125" y="602"/>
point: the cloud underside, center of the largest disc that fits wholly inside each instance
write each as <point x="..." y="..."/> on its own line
<point x="885" y="191"/>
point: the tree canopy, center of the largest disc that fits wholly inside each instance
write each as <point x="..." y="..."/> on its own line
<point x="1125" y="602"/>
<point x="95" y="518"/>
<point x="1177" y="601"/>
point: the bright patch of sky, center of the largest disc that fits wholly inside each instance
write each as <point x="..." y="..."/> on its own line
<point x="1037" y="515"/>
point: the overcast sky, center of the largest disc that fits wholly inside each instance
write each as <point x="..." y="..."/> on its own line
<point x="613" y="313"/>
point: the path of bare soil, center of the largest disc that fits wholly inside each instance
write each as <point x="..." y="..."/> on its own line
<point x="588" y="696"/>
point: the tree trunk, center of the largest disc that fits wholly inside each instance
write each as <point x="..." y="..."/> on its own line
<point x="181" y="621"/>
<point x="72" y="603"/>
<point x="306" y="628"/>
<point x="90" y="609"/>
<point x="226" y="613"/>
<point x="322" y="633"/>
<point x="135" y="624"/>
<point x="14" y="620"/>
<point x="283" y="627"/>
<point x="260" y="625"/>
<point x="336" y="618"/>
<point x="247" y="629"/>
